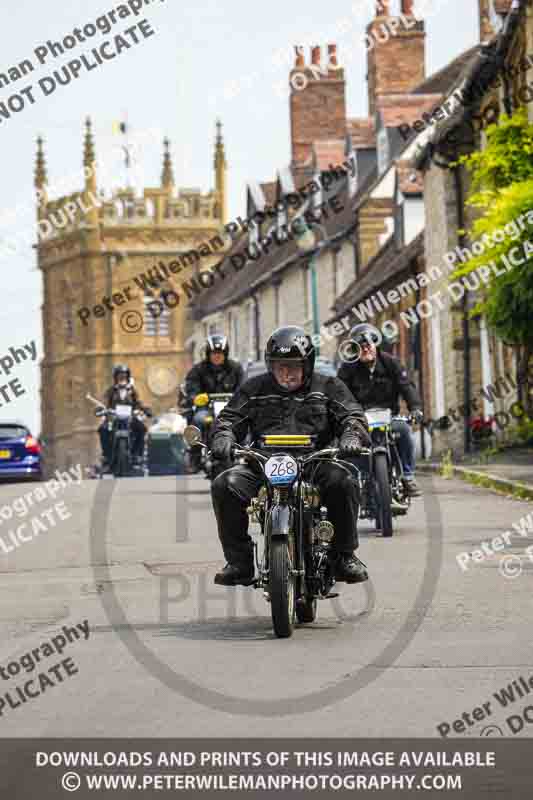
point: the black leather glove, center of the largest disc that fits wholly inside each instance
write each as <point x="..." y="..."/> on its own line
<point x="417" y="416"/>
<point x="350" y="443"/>
<point x="222" y="447"/>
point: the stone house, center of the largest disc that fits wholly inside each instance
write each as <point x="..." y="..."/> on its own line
<point x="467" y="359"/>
<point x="286" y="285"/>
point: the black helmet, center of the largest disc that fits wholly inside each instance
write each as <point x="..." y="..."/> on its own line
<point x="291" y="344"/>
<point x="217" y="343"/>
<point x="120" y="368"/>
<point x="364" y="332"/>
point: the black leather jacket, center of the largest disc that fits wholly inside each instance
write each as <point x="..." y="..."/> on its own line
<point x="323" y="406"/>
<point x="130" y="397"/>
<point x="204" y="377"/>
<point x="384" y="387"/>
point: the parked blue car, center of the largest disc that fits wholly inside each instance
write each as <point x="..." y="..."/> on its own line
<point x="20" y="452"/>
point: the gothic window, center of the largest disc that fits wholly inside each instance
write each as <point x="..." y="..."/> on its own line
<point x="156" y="316"/>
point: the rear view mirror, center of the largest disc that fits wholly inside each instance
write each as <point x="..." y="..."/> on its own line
<point x="192" y="435"/>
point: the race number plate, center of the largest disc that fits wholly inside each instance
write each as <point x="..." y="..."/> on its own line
<point x="281" y="469"/>
<point x="123" y="411"/>
<point x="218" y="405"/>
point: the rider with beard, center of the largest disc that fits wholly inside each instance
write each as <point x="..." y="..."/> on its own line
<point x="378" y="380"/>
<point x="288" y="399"/>
<point x="123" y="393"/>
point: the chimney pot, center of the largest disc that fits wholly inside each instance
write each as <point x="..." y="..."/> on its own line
<point x="300" y="60"/>
<point x="315" y="55"/>
<point x="332" y="55"/>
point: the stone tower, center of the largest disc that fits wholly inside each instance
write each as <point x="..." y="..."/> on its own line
<point x="91" y="248"/>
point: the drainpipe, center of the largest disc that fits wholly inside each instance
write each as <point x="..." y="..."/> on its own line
<point x="467" y="384"/>
<point x="419" y="358"/>
<point x="257" y="328"/>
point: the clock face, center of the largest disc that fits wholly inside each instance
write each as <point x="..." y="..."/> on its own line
<point x="161" y="380"/>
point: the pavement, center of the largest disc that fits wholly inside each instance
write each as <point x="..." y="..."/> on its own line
<point x="170" y="654"/>
<point x="510" y="470"/>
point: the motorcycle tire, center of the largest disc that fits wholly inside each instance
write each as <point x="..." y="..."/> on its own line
<point x="281" y="589"/>
<point x="384" y="496"/>
<point x="121" y="459"/>
<point x="306" y="611"/>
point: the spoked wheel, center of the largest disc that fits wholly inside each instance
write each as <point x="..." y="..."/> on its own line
<point x="383" y="492"/>
<point x="306" y="610"/>
<point x="282" y="588"/>
<point x="121" y="459"/>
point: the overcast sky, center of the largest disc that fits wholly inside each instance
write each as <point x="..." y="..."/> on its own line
<point x="176" y="82"/>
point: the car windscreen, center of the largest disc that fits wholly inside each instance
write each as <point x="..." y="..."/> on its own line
<point x="12" y="431"/>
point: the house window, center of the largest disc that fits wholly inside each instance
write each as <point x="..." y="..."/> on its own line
<point x="383" y="150"/>
<point x="156" y="317"/>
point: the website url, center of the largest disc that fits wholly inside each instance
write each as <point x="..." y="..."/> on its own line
<point x="71" y="781"/>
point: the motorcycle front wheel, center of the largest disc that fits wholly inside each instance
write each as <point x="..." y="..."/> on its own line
<point x="384" y="496"/>
<point x="121" y="459"/>
<point x="282" y="588"/>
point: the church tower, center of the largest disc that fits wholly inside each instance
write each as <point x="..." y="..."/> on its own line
<point x="118" y="271"/>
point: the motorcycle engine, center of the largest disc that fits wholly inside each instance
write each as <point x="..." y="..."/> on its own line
<point x="323" y="531"/>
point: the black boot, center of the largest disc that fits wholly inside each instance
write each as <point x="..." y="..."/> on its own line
<point x="411" y="487"/>
<point x="350" y="569"/>
<point x="235" y="574"/>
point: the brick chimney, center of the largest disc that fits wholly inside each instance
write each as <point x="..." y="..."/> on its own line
<point x="317" y="100"/>
<point x="396" y="48"/>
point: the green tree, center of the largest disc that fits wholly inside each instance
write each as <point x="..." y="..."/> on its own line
<point x="502" y="188"/>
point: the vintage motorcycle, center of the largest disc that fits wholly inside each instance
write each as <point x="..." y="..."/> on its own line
<point x="214" y="403"/>
<point x="383" y="492"/>
<point x="295" y="535"/>
<point x="119" y="422"/>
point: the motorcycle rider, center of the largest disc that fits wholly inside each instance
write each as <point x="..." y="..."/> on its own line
<point x="377" y="380"/>
<point x="216" y="374"/>
<point x="123" y="392"/>
<point x="288" y="398"/>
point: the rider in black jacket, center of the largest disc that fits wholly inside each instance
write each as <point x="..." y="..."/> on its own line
<point x="123" y="392"/>
<point x="216" y="374"/>
<point x="289" y="398"/>
<point x="378" y="380"/>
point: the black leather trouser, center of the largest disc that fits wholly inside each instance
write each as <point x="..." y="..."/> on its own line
<point x="233" y="489"/>
<point x="138" y="432"/>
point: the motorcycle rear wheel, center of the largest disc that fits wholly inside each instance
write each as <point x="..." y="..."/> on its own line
<point x="384" y="496"/>
<point x="306" y="611"/>
<point x="281" y="588"/>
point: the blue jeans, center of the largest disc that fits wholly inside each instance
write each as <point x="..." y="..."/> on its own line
<point x="198" y="418"/>
<point x="406" y="447"/>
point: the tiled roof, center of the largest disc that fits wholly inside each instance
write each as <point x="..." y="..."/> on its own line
<point x="440" y="82"/>
<point x="238" y="285"/>
<point x="386" y="264"/>
<point x="405" y="109"/>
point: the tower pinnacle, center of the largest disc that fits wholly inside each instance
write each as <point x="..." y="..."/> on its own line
<point x="167" y="176"/>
